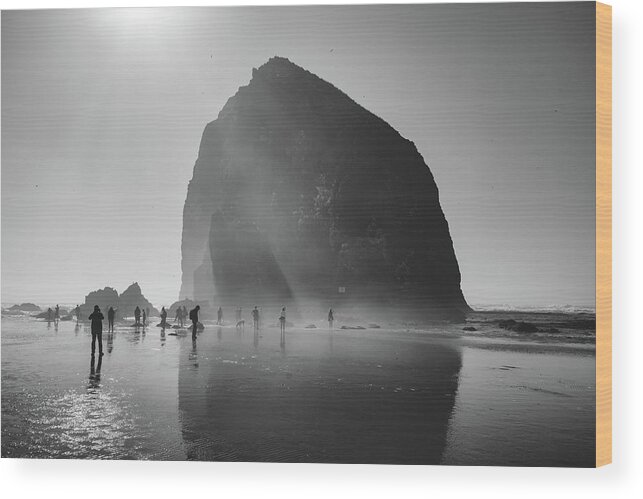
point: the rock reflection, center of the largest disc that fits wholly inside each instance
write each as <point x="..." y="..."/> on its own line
<point x="342" y="398"/>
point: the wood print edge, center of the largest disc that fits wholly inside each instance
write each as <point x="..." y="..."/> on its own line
<point x="603" y="234"/>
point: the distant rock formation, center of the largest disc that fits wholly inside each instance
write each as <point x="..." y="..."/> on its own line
<point x="125" y="303"/>
<point x="300" y="195"/>
<point x="104" y="298"/>
<point x="131" y="298"/>
<point x="25" y="307"/>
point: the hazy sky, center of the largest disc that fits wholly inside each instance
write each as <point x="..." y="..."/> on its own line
<point x="103" y="111"/>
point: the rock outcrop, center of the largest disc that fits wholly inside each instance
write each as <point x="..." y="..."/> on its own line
<point x="300" y="195"/>
<point x="132" y="297"/>
<point x="104" y="298"/>
<point x="25" y="307"/>
<point x="125" y="303"/>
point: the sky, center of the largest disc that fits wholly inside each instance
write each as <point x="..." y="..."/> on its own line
<point x="103" y="111"/>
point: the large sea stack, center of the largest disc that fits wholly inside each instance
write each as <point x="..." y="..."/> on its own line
<point x="302" y="197"/>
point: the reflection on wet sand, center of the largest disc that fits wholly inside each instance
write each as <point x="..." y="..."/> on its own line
<point x="110" y="342"/>
<point x="94" y="373"/>
<point x="324" y="398"/>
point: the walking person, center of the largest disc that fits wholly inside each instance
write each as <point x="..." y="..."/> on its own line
<point x="219" y="316"/>
<point x="331" y="318"/>
<point x="178" y="317"/>
<point x="163" y="317"/>
<point x="137" y="316"/>
<point x="144" y="318"/>
<point x="282" y="325"/>
<point x="111" y="313"/>
<point x="57" y="316"/>
<point x="77" y="314"/>
<point x="97" y="330"/>
<point x="255" y="318"/>
<point x="194" y="317"/>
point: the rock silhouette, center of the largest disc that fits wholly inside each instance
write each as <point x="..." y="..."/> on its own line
<point x="25" y="307"/>
<point x="132" y="297"/>
<point x="300" y="195"/>
<point x="124" y="304"/>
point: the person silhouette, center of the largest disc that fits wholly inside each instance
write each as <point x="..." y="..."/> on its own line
<point x="57" y="316"/>
<point x="97" y="330"/>
<point x="331" y="318"/>
<point x="77" y="313"/>
<point x="110" y="319"/>
<point x="144" y="317"/>
<point x="137" y="316"/>
<point x="163" y="316"/>
<point x="178" y="315"/>
<point x="255" y="318"/>
<point x="185" y="313"/>
<point x="49" y="314"/>
<point x="282" y="325"/>
<point x="194" y="317"/>
<point x="219" y="316"/>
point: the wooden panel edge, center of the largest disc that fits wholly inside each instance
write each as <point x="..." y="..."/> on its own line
<point x="603" y="234"/>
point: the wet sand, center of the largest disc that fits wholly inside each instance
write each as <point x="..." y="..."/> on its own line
<point x="372" y="396"/>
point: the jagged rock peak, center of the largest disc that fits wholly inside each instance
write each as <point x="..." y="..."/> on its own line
<point x="278" y="67"/>
<point x="133" y="288"/>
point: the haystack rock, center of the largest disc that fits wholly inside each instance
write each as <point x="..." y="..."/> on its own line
<point x="300" y="196"/>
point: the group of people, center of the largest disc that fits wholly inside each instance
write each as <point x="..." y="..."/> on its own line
<point x="181" y="315"/>
<point x="53" y="315"/>
<point x="140" y="316"/>
<point x="96" y="318"/>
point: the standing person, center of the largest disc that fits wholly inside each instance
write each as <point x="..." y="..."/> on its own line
<point x="110" y="319"/>
<point x="194" y="317"/>
<point x="137" y="316"/>
<point x="97" y="330"/>
<point x="177" y="316"/>
<point x="219" y="316"/>
<point x="255" y="318"/>
<point x="163" y="316"/>
<point x="185" y="314"/>
<point x="144" y="317"/>
<point x="282" y="325"/>
<point x="331" y="318"/>
<point x="49" y="314"/>
<point x="57" y="317"/>
<point x="77" y="313"/>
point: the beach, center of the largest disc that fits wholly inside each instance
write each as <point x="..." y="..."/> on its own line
<point x="399" y="395"/>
